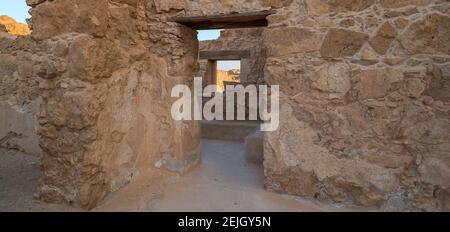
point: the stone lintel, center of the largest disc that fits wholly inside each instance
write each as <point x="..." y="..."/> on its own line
<point x="225" y="55"/>
<point x="225" y="21"/>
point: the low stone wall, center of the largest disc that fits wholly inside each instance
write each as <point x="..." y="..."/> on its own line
<point x="19" y="94"/>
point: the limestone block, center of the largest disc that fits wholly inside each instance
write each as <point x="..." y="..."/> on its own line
<point x="342" y="43"/>
<point x="378" y="82"/>
<point x="333" y="79"/>
<point x="435" y="171"/>
<point x="67" y="16"/>
<point x="319" y="7"/>
<point x="383" y="39"/>
<point x="282" y="41"/>
<point x="18" y="127"/>
<point x="167" y="5"/>
<point x="430" y="35"/>
<point x="254" y="148"/>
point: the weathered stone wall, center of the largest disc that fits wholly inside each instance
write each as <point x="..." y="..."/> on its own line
<point x="19" y="97"/>
<point x="252" y="69"/>
<point x="105" y="116"/>
<point x="364" y="96"/>
<point x="364" y="104"/>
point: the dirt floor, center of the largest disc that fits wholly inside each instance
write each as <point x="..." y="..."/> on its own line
<point x="224" y="182"/>
<point x="19" y="178"/>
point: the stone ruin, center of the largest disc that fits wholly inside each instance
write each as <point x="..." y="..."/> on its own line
<point x="249" y="39"/>
<point x="365" y="96"/>
<point x="19" y="89"/>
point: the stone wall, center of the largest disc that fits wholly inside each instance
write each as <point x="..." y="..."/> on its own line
<point x="364" y="85"/>
<point x="19" y="92"/>
<point x="364" y="104"/>
<point x="364" y="98"/>
<point x="105" y="116"/>
<point x="252" y="69"/>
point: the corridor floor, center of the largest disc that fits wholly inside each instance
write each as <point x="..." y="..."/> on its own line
<point x="223" y="182"/>
<point x="226" y="182"/>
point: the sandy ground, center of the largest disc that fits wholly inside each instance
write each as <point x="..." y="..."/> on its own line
<point x="224" y="182"/>
<point x="19" y="178"/>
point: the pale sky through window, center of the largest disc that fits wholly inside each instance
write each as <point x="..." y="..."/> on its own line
<point x="214" y="34"/>
<point x="207" y="34"/>
<point x="227" y="65"/>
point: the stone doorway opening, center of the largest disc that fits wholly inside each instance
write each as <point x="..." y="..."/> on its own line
<point x="232" y="151"/>
<point x="221" y="73"/>
<point x="239" y="44"/>
<point x="231" y="176"/>
<point x="224" y="68"/>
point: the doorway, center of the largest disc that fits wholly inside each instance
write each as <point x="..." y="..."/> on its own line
<point x="232" y="151"/>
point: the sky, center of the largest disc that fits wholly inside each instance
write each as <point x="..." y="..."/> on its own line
<point x="214" y="34"/>
<point x="228" y="65"/>
<point x="18" y="10"/>
<point x="206" y="34"/>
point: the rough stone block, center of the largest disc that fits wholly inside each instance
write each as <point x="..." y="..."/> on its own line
<point x="342" y="43"/>
<point x="254" y="148"/>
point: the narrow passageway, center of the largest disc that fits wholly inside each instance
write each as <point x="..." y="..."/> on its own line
<point x="225" y="182"/>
